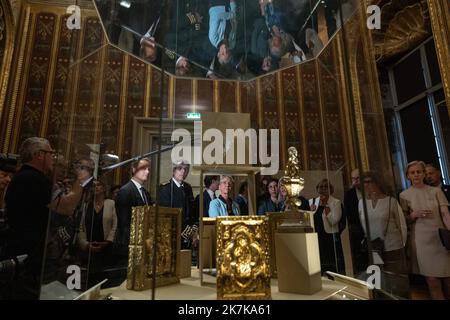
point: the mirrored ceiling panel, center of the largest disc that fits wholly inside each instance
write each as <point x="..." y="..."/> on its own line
<point x="220" y="39"/>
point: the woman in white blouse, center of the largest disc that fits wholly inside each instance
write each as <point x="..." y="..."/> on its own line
<point x="387" y="225"/>
<point x="328" y="213"/>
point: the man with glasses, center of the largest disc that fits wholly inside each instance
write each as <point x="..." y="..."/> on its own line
<point x="27" y="205"/>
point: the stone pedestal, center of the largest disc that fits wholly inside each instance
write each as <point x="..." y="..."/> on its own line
<point x="185" y="263"/>
<point x="298" y="262"/>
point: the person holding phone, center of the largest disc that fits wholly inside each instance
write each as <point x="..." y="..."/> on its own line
<point x="426" y="210"/>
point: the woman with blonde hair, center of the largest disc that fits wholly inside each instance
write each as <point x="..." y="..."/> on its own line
<point x="426" y="210"/>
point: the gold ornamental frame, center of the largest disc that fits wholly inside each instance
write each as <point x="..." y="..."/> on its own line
<point x="139" y="273"/>
<point x="243" y="264"/>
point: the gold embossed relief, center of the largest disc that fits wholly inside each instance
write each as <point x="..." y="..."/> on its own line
<point x="243" y="267"/>
<point x="140" y="256"/>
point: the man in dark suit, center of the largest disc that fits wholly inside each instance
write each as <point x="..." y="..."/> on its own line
<point x="242" y="198"/>
<point x="176" y="193"/>
<point x="434" y="179"/>
<point x="27" y="202"/>
<point x="130" y="195"/>
<point x="211" y="186"/>
<point x="359" y="251"/>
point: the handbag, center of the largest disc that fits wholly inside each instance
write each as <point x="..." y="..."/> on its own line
<point x="444" y="235"/>
<point x="378" y="243"/>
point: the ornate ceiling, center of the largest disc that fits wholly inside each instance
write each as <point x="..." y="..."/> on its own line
<point x="404" y="25"/>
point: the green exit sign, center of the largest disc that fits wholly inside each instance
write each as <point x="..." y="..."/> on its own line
<point x="193" y="115"/>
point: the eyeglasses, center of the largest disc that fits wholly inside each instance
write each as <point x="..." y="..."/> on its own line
<point x="52" y="152"/>
<point x="81" y="167"/>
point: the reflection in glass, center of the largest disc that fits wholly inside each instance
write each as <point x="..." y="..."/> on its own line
<point x="222" y="38"/>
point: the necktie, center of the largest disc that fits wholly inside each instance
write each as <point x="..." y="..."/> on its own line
<point x="144" y="196"/>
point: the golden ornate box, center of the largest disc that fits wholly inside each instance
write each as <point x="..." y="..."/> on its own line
<point x="140" y="255"/>
<point x="243" y="266"/>
<point x="275" y="219"/>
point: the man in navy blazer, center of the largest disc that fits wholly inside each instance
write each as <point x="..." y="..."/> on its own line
<point x="211" y="186"/>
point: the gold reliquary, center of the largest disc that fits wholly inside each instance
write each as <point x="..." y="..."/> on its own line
<point x="243" y="266"/>
<point x="140" y="255"/>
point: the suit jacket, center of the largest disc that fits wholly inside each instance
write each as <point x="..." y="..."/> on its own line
<point x="243" y="206"/>
<point x="127" y="197"/>
<point x="206" y="202"/>
<point x="172" y="196"/>
<point x="109" y="224"/>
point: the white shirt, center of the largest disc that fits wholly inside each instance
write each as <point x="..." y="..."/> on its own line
<point x="387" y="223"/>
<point x="139" y="187"/>
<point x="211" y="193"/>
<point x="177" y="183"/>
<point x="330" y="221"/>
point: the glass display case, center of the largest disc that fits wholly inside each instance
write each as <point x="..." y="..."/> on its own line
<point x="194" y="105"/>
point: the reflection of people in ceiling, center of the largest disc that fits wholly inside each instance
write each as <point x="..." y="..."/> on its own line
<point x="188" y="37"/>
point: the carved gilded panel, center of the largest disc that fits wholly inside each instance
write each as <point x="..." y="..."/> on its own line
<point x="243" y="266"/>
<point x="140" y="256"/>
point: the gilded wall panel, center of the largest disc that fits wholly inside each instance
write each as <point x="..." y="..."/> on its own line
<point x="291" y="116"/>
<point x="329" y="87"/>
<point x="85" y="116"/>
<point x="34" y="89"/>
<point x="204" y="95"/>
<point x="227" y="94"/>
<point x="58" y="104"/>
<point x="312" y="116"/>
<point x="183" y="98"/>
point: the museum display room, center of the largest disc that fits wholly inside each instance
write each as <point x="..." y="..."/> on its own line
<point x="224" y="149"/>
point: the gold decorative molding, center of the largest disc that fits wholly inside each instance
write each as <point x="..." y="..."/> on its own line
<point x="321" y="113"/>
<point x="216" y="98"/>
<point x="301" y="109"/>
<point x="171" y="97"/>
<point x="22" y="76"/>
<point x="259" y="103"/>
<point x="440" y="23"/>
<point x="98" y="103"/>
<point x="122" y="110"/>
<point x="238" y="97"/>
<point x="7" y="34"/>
<point x="194" y="94"/>
<point x="281" y="117"/>
<point x="405" y="24"/>
<point x="148" y="91"/>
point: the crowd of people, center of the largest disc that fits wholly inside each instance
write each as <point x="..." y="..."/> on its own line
<point x="221" y="38"/>
<point x="76" y="221"/>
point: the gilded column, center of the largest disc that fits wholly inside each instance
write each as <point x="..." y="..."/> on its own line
<point x="259" y="103"/>
<point x="440" y="23"/>
<point x="216" y="100"/>
<point x="26" y="29"/>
